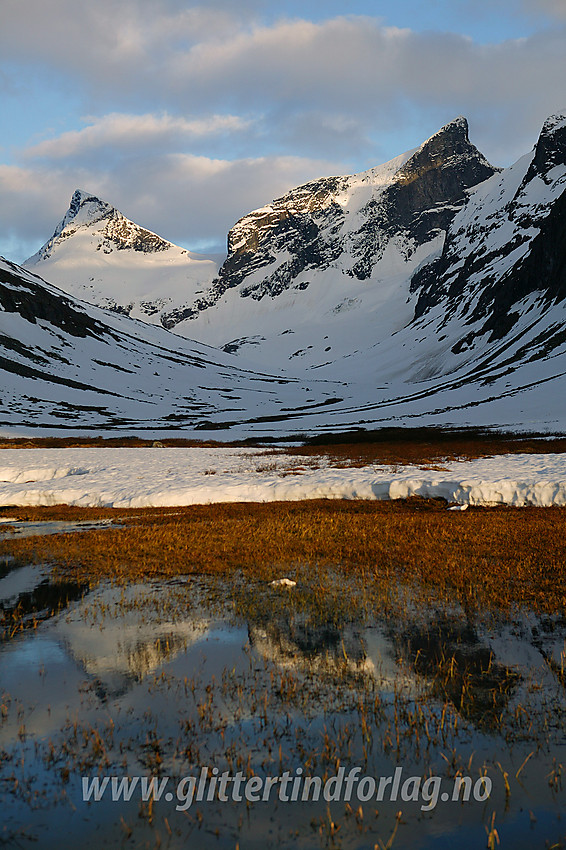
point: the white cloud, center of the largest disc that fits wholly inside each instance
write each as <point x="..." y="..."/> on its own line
<point x="119" y="130"/>
<point x="120" y="45"/>
<point x="215" y="60"/>
<point x="348" y="62"/>
<point x="377" y="77"/>
<point x="31" y="206"/>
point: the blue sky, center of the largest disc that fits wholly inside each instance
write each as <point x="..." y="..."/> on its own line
<point x="186" y="116"/>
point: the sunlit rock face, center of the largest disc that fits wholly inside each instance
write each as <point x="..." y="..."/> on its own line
<point x="350" y="219"/>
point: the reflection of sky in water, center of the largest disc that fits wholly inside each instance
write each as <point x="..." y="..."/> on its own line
<point x="34" y="529"/>
<point x="30" y="654"/>
<point x="19" y="581"/>
<point x="160" y="662"/>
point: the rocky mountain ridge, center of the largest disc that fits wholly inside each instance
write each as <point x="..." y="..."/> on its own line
<point x="432" y="287"/>
<point x="116" y="234"/>
<point x="411" y="199"/>
<point x="508" y="242"/>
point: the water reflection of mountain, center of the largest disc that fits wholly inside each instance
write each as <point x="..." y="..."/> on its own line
<point x="117" y="649"/>
<point x="479" y="671"/>
<point x="298" y="637"/>
<point x="119" y="637"/>
<point x="324" y="649"/>
<point x="459" y="665"/>
<point x="126" y="650"/>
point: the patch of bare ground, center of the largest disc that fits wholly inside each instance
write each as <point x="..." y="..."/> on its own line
<point x="112" y="443"/>
<point x="425" y="447"/>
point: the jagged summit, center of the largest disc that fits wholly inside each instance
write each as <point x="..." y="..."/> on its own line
<point x="506" y="246"/>
<point x="86" y="209"/>
<point x="550" y="149"/>
<point x="100" y="256"/>
<point x="348" y="223"/>
<point x="456" y="131"/>
<point x="448" y="148"/>
<point x="554" y="123"/>
<point x="458" y="124"/>
<point x="114" y="230"/>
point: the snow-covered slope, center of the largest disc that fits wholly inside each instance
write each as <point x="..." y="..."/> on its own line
<point x="67" y="365"/>
<point x="100" y="256"/>
<point x="430" y="290"/>
<point x="487" y="330"/>
<point x="310" y="272"/>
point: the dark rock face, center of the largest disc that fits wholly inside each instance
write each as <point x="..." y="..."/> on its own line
<point x="550" y="149"/>
<point x="308" y="228"/>
<point x="76" y="202"/>
<point x="425" y="196"/>
<point x="477" y="282"/>
<point x="435" y="179"/>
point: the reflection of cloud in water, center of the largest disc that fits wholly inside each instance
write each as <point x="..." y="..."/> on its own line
<point x="20" y="580"/>
<point x="15" y="528"/>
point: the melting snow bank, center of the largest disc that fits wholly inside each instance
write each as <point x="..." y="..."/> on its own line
<point x="146" y="477"/>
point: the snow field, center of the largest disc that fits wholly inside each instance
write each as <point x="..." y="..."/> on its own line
<point x="167" y="477"/>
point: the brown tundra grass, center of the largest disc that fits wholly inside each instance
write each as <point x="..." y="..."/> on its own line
<point x="423" y="447"/>
<point x="484" y="557"/>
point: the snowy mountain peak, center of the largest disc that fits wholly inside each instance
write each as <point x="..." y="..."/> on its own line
<point x="550" y="149"/>
<point x="85" y="208"/>
<point x="458" y="127"/>
<point x="506" y="248"/>
<point x="554" y="123"/>
<point x="100" y="256"/>
<point x="349" y="224"/>
<point x="114" y="231"/>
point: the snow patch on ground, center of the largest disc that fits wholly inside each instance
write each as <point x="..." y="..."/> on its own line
<point x="144" y="477"/>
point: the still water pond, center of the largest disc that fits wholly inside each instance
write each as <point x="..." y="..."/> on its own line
<point x="201" y="677"/>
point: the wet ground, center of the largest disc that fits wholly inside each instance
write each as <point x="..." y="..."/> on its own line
<point x="165" y="679"/>
<point x="15" y="528"/>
